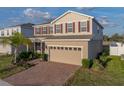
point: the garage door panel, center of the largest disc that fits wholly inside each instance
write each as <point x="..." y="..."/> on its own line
<point x="66" y="56"/>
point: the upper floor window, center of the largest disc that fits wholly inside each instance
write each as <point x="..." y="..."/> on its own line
<point x="17" y="29"/>
<point x="83" y="26"/>
<point x="98" y="28"/>
<point x="7" y="32"/>
<point x="37" y="30"/>
<point x="51" y="29"/>
<point x="13" y="31"/>
<point x="2" y="33"/>
<point x="44" y="30"/>
<point x="58" y="28"/>
<point x="69" y="27"/>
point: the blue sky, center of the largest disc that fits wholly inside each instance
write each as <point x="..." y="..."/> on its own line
<point x="111" y="18"/>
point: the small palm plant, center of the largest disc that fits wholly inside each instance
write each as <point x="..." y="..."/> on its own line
<point x="16" y="40"/>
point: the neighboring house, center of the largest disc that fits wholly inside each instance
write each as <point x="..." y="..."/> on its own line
<point x="69" y="38"/>
<point x="25" y="29"/>
<point x="116" y="48"/>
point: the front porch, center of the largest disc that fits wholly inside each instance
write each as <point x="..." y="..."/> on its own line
<point x="38" y="45"/>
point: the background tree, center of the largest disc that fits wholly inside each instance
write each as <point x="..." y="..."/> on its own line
<point x="117" y="37"/>
<point x="16" y="40"/>
<point x="106" y="38"/>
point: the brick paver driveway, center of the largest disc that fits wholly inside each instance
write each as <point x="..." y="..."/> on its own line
<point x="45" y="73"/>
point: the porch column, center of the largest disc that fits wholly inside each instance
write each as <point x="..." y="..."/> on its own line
<point x="27" y="47"/>
<point x="34" y="46"/>
<point x="41" y="47"/>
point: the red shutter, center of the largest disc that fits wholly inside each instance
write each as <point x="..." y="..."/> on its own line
<point x="73" y="26"/>
<point x="66" y="27"/>
<point x="41" y="30"/>
<point x="46" y="30"/>
<point x="88" y="26"/>
<point x="78" y="26"/>
<point x="61" y="28"/>
<point x="55" y="29"/>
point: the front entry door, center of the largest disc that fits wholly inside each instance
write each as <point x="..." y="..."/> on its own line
<point x="43" y="47"/>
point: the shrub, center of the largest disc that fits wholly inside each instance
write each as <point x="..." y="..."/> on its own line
<point x="36" y="55"/>
<point x="105" y="50"/>
<point x="122" y="57"/>
<point x="45" y="57"/>
<point x="26" y="56"/>
<point x="87" y="63"/>
<point x="96" y="65"/>
<point x="103" y="60"/>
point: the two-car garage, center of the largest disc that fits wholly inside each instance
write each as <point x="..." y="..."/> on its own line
<point x="66" y="54"/>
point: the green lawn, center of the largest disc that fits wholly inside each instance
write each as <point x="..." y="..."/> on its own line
<point x="113" y="74"/>
<point x="6" y="68"/>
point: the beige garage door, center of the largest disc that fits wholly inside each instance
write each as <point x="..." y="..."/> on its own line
<point x="69" y="55"/>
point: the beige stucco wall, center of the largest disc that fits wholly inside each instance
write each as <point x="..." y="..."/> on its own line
<point x="83" y="44"/>
<point x="73" y="17"/>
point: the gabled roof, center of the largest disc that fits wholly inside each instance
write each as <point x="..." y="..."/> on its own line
<point x="71" y="12"/>
<point x="67" y="13"/>
<point x="47" y="23"/>
<point x="22" y="25"/>
<point x="98" y="23"/>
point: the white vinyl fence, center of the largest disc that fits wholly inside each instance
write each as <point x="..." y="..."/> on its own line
<point x="116" y="48"/>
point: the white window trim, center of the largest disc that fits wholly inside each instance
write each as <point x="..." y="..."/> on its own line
<point x="37" y="30"/>
<point x="57" y="28"/>
<point x="44" y="29"/>
<point x="7" y="32"/>
<point x="83" y="26"/>
<point x="51" y="29"/>
<point x="2" y="33"/>
<point x="70" y="27"/>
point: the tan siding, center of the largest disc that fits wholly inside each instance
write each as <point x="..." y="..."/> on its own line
<point x="72" y="17"/>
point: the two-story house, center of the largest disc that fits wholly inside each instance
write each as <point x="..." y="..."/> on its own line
<point x="25" y="29"/>
<point x="69" y="38"/>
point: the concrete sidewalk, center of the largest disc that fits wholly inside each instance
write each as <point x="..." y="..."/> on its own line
<point x="4" y="83"/>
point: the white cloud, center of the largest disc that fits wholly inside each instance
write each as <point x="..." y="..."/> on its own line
<point x="105" y="21"/>
<point x="33" y="13"/>
<point x="14" y="20"/>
